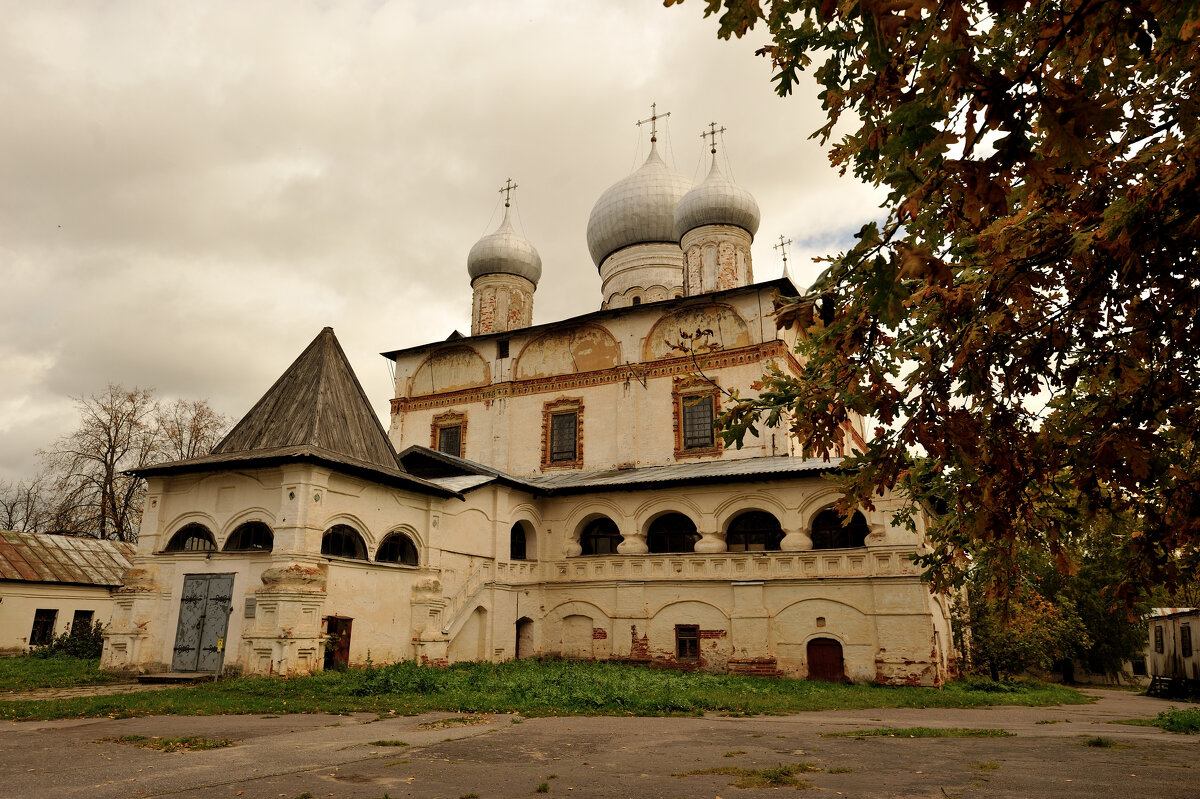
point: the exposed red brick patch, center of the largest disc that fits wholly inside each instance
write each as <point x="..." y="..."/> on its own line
<point x="599" y="634"/>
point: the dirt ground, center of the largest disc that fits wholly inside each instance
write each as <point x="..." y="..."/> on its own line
<point x="321" y="756"/>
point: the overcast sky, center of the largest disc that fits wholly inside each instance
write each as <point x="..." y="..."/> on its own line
<point x="190" y="191"/>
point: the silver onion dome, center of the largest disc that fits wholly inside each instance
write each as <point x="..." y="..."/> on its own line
<point x="504" y="252"/>
<point x="639" y="209"/>
<point x="716" y="201"/>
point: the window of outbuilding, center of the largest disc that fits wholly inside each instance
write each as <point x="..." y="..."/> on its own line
<point x="1158" y="638"/>
<point x="753" y="531"/>
<point x="43" y="626"/>
<point x="828" y="531"/>
<point x="1185" y="640"/>
<point x="672" y="532"/>
<point x="192" y="538"/>
<point x="251" y="537"/>
<point x="687" y="642"/>
<point x="600" y="537"/>
<point x="81" y="622"/>
<point x="397" y="548"/>
<point x="343" y="541"/>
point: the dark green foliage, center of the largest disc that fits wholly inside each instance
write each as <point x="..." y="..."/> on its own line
<point x="1185" y="720"/>
<point x="83" y="641"/>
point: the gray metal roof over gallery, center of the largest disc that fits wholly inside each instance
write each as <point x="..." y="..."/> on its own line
<point x="463" y="475"/>
<point x="72" y="560"/>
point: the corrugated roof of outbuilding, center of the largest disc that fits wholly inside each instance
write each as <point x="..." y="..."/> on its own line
<point x="74" y="560"/>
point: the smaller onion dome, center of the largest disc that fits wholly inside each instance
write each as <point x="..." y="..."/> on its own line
<point x="504" y="252"/>
<point x="638" y="209"/>
<point x="716" y="201"/>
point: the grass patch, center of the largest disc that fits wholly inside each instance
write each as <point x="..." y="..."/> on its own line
<point x="781" y="776"/>
<point x="1052" y="721"/>
<point x="735" y="753"/>
<point x="920" y="732"/>
<point x="1100" y="741"/>
<point x="28" y="673"/>
<point x="543" y="787"/>
<point x="839" y="770"/>
<point x="529" y="687"/>
<point x="184" y="744"/>
<point x="1181" y="720"/>
<point x="388" y="743"/>
<point x="987" y="765"/>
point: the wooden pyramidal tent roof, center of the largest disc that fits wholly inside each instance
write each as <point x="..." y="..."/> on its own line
<point x="318" y="403"/>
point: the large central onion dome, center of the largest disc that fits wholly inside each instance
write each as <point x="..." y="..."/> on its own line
<point x="504" y="252"/>
<point x="637" y="210"/>
<point x="716" y="201"/>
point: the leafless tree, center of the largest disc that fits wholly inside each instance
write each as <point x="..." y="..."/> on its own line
<point x="122" y="429"/>
<point x="188" y="429"/>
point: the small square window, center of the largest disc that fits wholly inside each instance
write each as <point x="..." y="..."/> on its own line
<point x="697" y="413"/>
<point x="501" y="348"/>
<point x="43" y="626"/>
<point x="564" y="430"/>
<point x="687" y="642"/>
<point x="81" y="622"/>
<point x="450" y="440"/>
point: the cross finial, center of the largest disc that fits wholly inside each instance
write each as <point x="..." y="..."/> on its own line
<point x="782" y="247"/>
<point x="712" y="133"/>
<point x="507" y="190"/>
<point x="653" y="120"/>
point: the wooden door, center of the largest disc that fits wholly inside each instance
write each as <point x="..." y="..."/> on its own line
<point x="825" y="662"/>
<point x="203" y="621"/>
<point x="337" y="647"/>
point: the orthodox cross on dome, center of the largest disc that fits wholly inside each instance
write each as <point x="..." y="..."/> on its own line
<point x="712" y="134"/>
<point x="507" y="189"/>
<point x="653" y="120"/>
<point x="782" y="247"/>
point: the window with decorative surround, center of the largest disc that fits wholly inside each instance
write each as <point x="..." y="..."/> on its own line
<point x="562" y="433"/>
<point x="449" y="432"/>
<point x="697" y="403"/>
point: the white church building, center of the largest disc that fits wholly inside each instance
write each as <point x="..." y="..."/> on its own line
<point x="543" y="490"/>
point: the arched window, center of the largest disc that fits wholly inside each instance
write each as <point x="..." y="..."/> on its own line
<point x="251" y="537"/>
<point x="397" y="548"/>
<point x="518" y="543"/>
<point x="672" y="532"/>
<point x="828" y="532"/>
<point x="192" y="538"/>
<point x="600" y="537"/>
<point x="343" y="541"/>
<point x="753" y="531"/>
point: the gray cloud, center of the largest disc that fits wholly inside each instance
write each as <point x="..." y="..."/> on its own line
<point x="190" y="191"/>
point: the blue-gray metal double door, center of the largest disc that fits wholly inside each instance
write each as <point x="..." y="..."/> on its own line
<point x="203" y="621"/>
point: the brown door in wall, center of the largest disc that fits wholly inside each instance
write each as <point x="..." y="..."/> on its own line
<point x="337" y="642"/>
<point x="524" y="638"/>
<point x="825" y="663"/>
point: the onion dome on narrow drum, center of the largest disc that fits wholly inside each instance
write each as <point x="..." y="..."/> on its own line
<point x="639" y="209"/>
<point x="504" y="252"/>
<point x="716" y="201"/>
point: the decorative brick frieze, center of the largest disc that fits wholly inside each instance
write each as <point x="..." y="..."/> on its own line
<point x="667" y="367"/>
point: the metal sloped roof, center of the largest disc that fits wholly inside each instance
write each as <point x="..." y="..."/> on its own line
<point x="737" y="469"/>
<point x="40" y="558"/>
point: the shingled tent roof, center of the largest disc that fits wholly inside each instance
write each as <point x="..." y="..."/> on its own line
<point x="316" y="410"/>
<point x="317" y="402"/>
